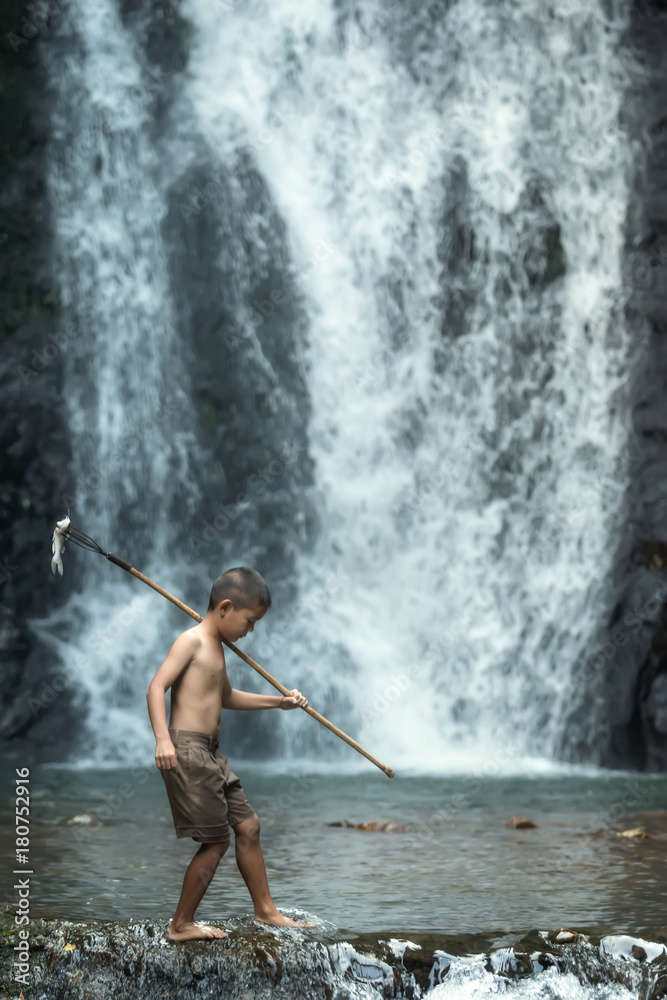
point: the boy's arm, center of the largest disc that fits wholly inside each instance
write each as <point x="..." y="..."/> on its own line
<point x="178" y="658"/>
<point x="245" y="701"/>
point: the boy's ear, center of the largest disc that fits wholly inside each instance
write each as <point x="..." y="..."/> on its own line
<point x="225" y="606"/>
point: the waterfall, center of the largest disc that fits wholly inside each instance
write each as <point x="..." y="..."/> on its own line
<point x="450" y="188"/>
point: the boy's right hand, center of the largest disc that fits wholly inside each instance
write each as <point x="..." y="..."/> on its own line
<point x="165" y="755"/>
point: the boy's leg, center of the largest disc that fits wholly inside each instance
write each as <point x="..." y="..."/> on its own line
<point x="197" y="879"/>
<point x="250" y="860"/>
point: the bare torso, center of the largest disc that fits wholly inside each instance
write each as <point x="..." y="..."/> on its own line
<point x="196" y="696"/>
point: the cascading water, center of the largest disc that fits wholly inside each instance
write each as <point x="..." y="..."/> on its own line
<point x="451" y="183"/>
<point x="126" y="382"/>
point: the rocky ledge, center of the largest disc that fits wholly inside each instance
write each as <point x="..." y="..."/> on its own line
<point x="134" y="959"/>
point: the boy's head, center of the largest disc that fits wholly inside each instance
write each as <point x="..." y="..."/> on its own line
<point x="240" y="597"/>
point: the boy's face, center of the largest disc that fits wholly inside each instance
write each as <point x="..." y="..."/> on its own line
<point x="234" y="622"/>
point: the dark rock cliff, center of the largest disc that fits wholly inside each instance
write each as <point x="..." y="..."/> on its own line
<point x="628" y="669"/>
<point x="649" y="494"/>
<point x="33" y="435"/>
<point x="238" y="308"/>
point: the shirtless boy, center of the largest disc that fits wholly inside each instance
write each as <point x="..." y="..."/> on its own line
<point x="206" y="798"/>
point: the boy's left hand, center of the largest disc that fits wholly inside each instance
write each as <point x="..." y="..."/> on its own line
<point x="293" y="700"/>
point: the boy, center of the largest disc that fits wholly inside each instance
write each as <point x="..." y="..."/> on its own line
<point x="206" y="798"/>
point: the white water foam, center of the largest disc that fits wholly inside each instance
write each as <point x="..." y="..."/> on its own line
<point x="127" y="393"/>
<point x="467" y="979"/>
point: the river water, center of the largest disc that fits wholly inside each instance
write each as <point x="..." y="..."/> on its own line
<point x="457" y="868"/>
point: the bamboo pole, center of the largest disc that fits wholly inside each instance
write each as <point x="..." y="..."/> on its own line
<point x="251" y="663"/>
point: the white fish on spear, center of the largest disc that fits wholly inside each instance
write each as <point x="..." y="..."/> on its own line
<point x="58" y="544"/>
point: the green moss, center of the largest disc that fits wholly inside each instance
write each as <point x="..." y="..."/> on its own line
<point x="8" y="939"/>
<point x="210" y="416"/>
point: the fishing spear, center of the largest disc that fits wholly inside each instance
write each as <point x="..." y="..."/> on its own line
<point x="64" y="531"/>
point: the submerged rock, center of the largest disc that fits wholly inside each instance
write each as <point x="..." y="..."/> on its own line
<point x="566" y="936"/>
<point x="375" y="827"/>
<point x="82" y="819"/>
<point x="519" y="823"/>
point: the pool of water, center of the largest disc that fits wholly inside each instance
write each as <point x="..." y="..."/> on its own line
<point x="456" y="869"/>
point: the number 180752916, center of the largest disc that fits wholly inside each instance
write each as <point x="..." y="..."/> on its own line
<point x="22" y="814"/>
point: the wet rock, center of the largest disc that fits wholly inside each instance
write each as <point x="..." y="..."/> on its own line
<point x="164" y="35"/>
<point x="459" y="280"/>
<point x="509" y="964"/>
<point x="131" y="960"/>
<point x="637" y="832"/>
<point x="630" y="730"/>
<point x="565" y="936"/>
<point x="656" y="705"/>
<point x="544" y="961"/>
<point x="374" y="827"/>
<point x="544" y="261"/>
<point x="625" y="947"/>
<point x="420" y="965"/>
<point x="660" y="989"/>
<point x="519" y="823"/>
<point x="82" y="819"/>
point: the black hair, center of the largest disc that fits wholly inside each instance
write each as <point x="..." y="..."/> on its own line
<point x="243" y="586"/>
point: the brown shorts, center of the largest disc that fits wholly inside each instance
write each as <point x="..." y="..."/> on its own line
<point x="206" y="798"/>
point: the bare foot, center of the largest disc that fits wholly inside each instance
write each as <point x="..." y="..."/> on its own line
<point x="194" y="932"/>
<point x="279" y="919"/>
